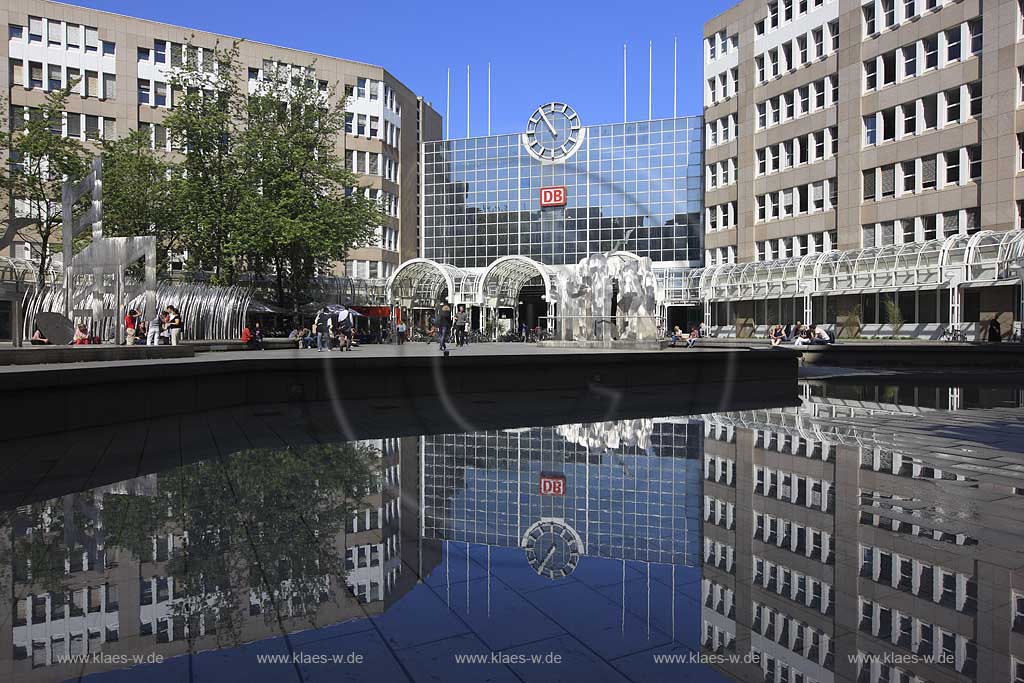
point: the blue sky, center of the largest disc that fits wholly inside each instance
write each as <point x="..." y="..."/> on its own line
<point x="539" y="51"/>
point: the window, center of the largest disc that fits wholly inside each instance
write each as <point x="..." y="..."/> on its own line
<point x="819" y="145"/>
<point x="889" y="68"/>
<point x="928" y="227"/>
<point x="869" y="185"/>
<point x="952" y="167"/>
<point x="910" y="118"/>
<point x="74" y="126"/>
<point x="888" y="125"/>
<point x="889" y="12"/>
<point x="974" y="162"/>
<point x="819" y="94"/>
<point x="160" y="93"/>
<point x="17" y="72"/>
<point x="951" y="223"/>
<point x="759" y="61"/>
<point x="952" y="105"/>
<point x="974" y="93"/>
<point x="177" y="54"/>
<point x="818" y="35"/>
<point x="869" y="18"/>
<point x="15" y="32"/>
<point x="92" y="127"/>
<point x="870" y="74"/>
<point x="867" y="236"/>
<point x="909" y="8"/>
<point x="160" y="52"/>
<point x="931" y="52"/>
<point x="35" y="30"/>
<point x="92" y="84"/>
<point x="74" y="36"/>
<point x="108" y="48"/>
<point x="888" y="181"/>
<point x="928" y="172"/>
<point x="143" y="92"/>
<point x="91" y="39"/>
<point x="143" y="54"/>
<point x="801" y="46"/>
<point x="974" y="29"/>
<point x="109" y="86"/>
<point x="833" y="29"/>
<point x="909" y="176"/>
<point x="35" y="75"/>
<point x="54" y="29"/>
<point x="953" y="44"/>
<point x="805" y="99"/>
<point x="54" y="78"/>
<point x="870" y="130"/>
<point x="910" y="61"/>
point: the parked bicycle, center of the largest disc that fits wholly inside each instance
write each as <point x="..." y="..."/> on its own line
<point x="953" y="333"/>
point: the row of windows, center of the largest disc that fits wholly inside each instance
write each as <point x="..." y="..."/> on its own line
<point x="40" y="609"/>
<point x="371" y="163"/>
<point x="797" y="201"/>
<point x="814" y="96"/>
<point x="374" y="90"/>
<point x="796" y="246"/>
<point x="718" y="598"/>
<point x="74" y="125"/>
<point x="811" y="643"/>
<point x="722" y="130"/>
<point x="54" y="76"/>
<point x="60" y="34"/>
<point x="158" y="137"/>
<point x="720" y="470"/>
<point x="918" y="636"/>
<point x="720" y="173"/>
<point x="154" y="93"/>
<point x="899" y="526"/>
<point x="928" y="113"/>
<point x="283" y="73"/>
<point x="943" y="586"/>
<point x="720" y="255"/>
<point x="368" y="270"/>
<point x="921" y="228"/>
<point x="802" y="50"/>
<point x="777" y="18"/>
<point x="367" y="125"/>
<point x="914" y="176"/>
<point x="801" y="588"/>
<point x="776" y="670"/>
<point x="723" y="86"/>
<point x="721" y="216"/>
<point x="798" y="538"/>
<point x="804" y="149"/>
<point x="900" y="464"/>
<point x="720" y="44"/>
<point x="790" y="443"/>
<point x="720" y="513"/>
<point x="931" y="52"/>
<point x="882" y="15"/>
<point x="717" y="639"/>
<point x="720" y="555"/>
<point x="794" y="488"/>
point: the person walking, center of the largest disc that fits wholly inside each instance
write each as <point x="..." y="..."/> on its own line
<point x="174" y="324"/>
<point x="344" y="323"/>
<point x="323" y="325"/>
<point x="444" y="324"/>
<point x="400" y="328"/>
<point x="461" y="322"/>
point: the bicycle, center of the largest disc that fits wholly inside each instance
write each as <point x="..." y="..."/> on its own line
<point x="953" y="333"/>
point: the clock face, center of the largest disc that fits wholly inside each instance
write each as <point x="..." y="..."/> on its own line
<point x="552" y="549"/>
<point x="554" y="132"/>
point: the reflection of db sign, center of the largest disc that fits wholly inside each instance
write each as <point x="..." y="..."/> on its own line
<point x="552" y="196"/>
<point x="552" y="485"/>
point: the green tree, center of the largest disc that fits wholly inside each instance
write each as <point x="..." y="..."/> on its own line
<point x="894" y="316"/>
<point x="41" y="160"/>
<point x="305" y="208"/>
<point x="139" y="192"/>
<point x="205" y="125"/>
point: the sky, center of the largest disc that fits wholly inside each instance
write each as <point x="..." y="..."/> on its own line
<point x="539" y="51"/>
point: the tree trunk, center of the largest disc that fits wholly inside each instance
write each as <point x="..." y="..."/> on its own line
<point x="279" y="273"/>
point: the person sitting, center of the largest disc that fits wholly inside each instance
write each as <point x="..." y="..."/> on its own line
<point x="692" y="339"/>
<point x="777" y="335"/>
<point x="818" y="335"/>
<point x="253" y="338"/>
<point x="677" y="335"/>
<point x="38" y="339"/>
<point x="305" y="338"/>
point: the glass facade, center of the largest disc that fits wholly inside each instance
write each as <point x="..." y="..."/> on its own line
<point x="633" y="186"/>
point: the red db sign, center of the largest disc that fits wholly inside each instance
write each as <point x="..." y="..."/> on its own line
<point x="552" y="196"/>
<point x="552" y="485"/>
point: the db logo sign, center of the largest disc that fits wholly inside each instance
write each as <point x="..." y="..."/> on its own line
<point x="552" y="196"/>
<point x="552" y="485"/>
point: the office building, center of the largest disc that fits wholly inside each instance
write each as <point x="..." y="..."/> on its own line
<point x="884" y="130"/>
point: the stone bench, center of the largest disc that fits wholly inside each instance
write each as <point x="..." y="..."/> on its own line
<point x="269" y="343"/>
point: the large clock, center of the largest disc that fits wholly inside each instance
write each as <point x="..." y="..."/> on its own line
<point x="554" y="132"/>
<point x="552" y="548"/>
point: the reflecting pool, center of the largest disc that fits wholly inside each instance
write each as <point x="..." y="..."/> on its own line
<point x="870" y="533"/>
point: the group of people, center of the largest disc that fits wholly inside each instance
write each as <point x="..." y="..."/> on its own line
<point x="445" y="323"/>
<point x="164" y="328"/>
<point x="330" y="328"/>
<point x="799" y="334"/>
<point x="696" y="332"/>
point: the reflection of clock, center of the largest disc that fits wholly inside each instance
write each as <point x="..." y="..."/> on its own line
<point x="552" y="548"/>
<point x="554" y="132"/>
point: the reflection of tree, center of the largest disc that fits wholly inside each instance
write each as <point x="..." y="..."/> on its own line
<point x="45" y="537"/>
<point x="262" y="525"/>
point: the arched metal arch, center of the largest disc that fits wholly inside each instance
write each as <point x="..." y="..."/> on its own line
<point x="420" y="281"/>
<point x="512" y="273"/>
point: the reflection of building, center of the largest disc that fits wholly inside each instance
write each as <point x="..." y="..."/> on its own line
<point x="74" y="591"/>
<point x="634" y="184"/>
<point x="626" y="502"/>
<point x="834" y="536"/>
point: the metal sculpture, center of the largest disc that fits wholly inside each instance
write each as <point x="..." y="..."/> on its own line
<point x="104" y="260"/>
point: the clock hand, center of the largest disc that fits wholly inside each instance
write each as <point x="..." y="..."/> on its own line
<point x="554" y="133"/>
<point x="551" y="551"/>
